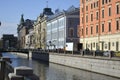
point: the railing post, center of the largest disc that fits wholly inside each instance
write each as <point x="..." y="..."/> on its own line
<point x="82" y="53"/>
<point x="110" y="55"/>
<point x="94" y="54"/>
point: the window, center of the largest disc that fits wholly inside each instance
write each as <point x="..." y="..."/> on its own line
<point x="102" y="13"/>
<point x="93" y="44"/>
<point x="97" y="15"/>
<point x="78" y="31"/>
<point x="82" y="31"/>
<point x="82" y="9"/>
<point x="91" y="17"/>
<point x="117" y="24"/>
<point x="96" y="28"/>
<point x="86" y="30"/>
<point x="97" y="46"/>
<point x="71" y="32"/>
<point x="103" y="27"/>
<point x="109" y="0"/>
<point x="102" y="2"/>
<point x="117" y="46"/>
<point x="106" y="1"/>
<point x="97" y="4"/>
<point x="82" y="20"/>
<point x="86" y="18"/>
<point x="91" y="30"/>
<point x="117" y="8"/>
<point x="94" y="4"/>
<point x="82" y="1"/>
<point x="71" y="22"/>
<point x="91" y="6"/>
<point x="109" y="11"/>
<point x="109" y="26"/>
<point x="86" y="8"/>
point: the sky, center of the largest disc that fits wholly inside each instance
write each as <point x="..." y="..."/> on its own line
<point x="11" y="10"/>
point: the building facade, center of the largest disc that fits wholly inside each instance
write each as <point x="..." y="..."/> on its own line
<point x="62" y="28"/>
<point x="30" y="40"/>
<point x="100" y="24"/>
<point x="1" y="44"/>
<point x="23" y="30"/>
<point x="9" y="41"/>
<point x="40" y="28"/>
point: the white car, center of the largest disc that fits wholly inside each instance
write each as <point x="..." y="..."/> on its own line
<point x="107" y="53"/>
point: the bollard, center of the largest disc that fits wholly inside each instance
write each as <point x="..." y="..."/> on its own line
<point x="30" y="54"/>
<point x="24" y="72"/>
<point x="3" y="66"/>
<point x="94" y="54"/>
<point x="82" y="53"/>
<point x="110" y="55"/>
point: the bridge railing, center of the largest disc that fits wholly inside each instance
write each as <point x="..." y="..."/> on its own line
<point x="87" y="52"/>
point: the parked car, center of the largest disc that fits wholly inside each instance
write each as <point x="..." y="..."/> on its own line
<point x="107" y="53"/>
<point x="98" y="52"/>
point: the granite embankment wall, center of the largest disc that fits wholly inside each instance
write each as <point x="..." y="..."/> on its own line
<point x="103" y="66"/>
<point x="100" y="65"/>
<point x="40" y="56"/>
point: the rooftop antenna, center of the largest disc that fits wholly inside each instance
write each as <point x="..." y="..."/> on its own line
<point x="47" y="4"/>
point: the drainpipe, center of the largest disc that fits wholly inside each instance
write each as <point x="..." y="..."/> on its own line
<point x="64" y="33"/>
<point x="99" y="24"/>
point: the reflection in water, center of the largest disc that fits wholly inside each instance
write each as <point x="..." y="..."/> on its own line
<point x="57" y="72"/>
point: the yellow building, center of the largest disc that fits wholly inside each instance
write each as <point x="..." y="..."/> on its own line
<point x="40" y="28"/>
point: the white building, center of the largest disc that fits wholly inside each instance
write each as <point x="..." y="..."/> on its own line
<point x="62" y="28"/>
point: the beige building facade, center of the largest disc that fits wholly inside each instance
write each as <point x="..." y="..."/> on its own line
<point x="37" y="32"/>
<point x="40" y="32"/>
<point x="40" y="28"/>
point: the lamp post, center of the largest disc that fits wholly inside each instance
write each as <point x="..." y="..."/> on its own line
<point x="0" y="23"/>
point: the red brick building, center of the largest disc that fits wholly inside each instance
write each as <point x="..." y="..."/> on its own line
<point x="100" y="24"/>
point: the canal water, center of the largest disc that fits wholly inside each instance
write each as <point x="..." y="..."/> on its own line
<point x="50" y="71"/>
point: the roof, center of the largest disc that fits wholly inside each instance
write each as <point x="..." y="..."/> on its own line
<point x="58" y="13"/>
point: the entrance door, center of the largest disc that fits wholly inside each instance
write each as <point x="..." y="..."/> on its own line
<point x="117" y="46"/>
<point x="80" y="46"/>
<point x="91" y="46"/>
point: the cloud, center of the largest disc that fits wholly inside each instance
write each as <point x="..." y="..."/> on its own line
<point x="8" y="28"/>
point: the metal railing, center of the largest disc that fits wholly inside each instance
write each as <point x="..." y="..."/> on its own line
<point x="5" y="69"/>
